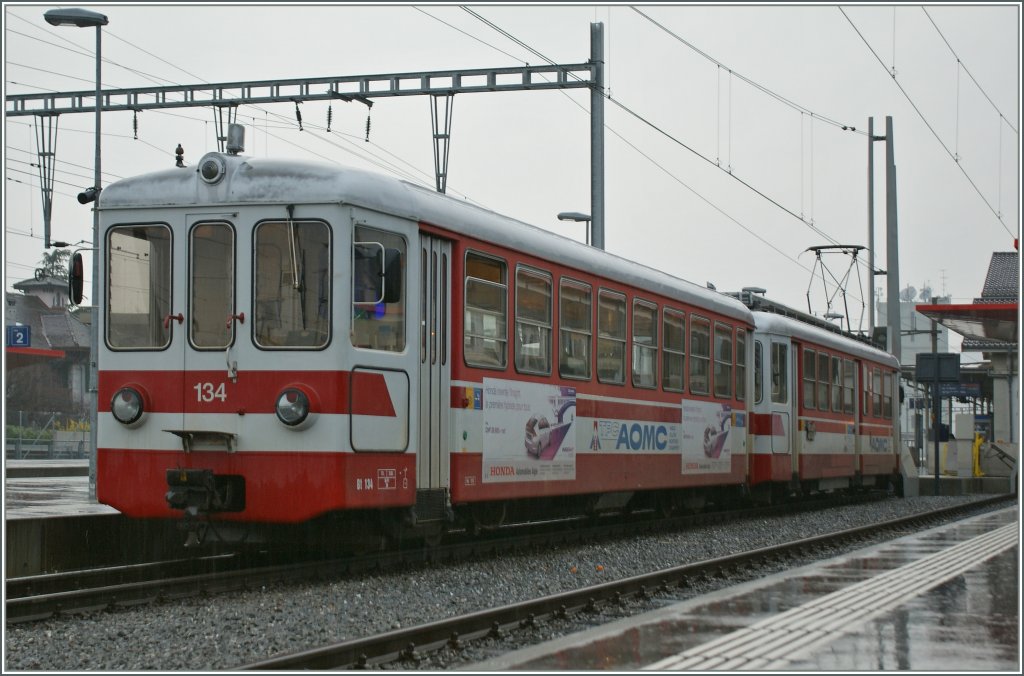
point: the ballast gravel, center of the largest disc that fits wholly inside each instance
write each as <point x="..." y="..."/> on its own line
<point x="226" y="631"/>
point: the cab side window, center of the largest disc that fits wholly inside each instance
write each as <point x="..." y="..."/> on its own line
<point x="378" y="289"/>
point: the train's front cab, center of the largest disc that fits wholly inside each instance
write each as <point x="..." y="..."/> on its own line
<point x="257" y="346"/>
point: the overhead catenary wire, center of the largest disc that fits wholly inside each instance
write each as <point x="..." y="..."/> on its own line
<point x="679" y="142"/>
<point x="927" y="124"/>
<point x="682" y="144"/>
<point x="961" y="64"/>
<point x="669" y="136"/>
<point x="762" y="88"/>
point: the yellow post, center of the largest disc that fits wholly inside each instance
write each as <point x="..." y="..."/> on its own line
<point x="976" y="454"/>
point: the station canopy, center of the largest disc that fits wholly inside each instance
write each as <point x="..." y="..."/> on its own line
<point x="27" y="356"/>
<point x="983" y="322"/>
<point x="990" y="322"/>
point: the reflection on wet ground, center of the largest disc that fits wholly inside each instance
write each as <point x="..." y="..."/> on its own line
<point x="968" y="622"/>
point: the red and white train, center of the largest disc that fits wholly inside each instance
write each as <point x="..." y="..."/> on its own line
<point x="283" y="341"/>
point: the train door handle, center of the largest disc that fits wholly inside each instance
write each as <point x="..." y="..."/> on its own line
<point x="240" y="317"/>
<point x="167" y="320"/>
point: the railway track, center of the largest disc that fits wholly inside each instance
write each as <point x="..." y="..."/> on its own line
<point x="407" y="647"/>
<point x="37" y="597"/>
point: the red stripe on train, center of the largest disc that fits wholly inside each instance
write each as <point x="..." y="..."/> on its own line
<point x="280" y="487"/>
<point x="359" y="393"/>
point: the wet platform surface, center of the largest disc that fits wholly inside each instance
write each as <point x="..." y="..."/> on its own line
<point x="48" y="488"/>
<point x="946" y="599"/>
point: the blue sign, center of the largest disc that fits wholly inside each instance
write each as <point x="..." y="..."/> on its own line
<point x="19" y="336"/>
<point x="959" y="390"/>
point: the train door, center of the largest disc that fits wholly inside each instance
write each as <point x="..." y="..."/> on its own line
<point x="432" y="465"/>
<point x="383" y="365"/>
<point x="212" y="320"/>
<point x="782" y="380"/>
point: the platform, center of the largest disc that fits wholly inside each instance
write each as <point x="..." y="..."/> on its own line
<point x="946" y="599"/>
<point x="22" y="469"/>
<point x="48" y="488"/>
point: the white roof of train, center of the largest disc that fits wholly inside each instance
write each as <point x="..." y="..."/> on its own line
<point x="251" y="180"/>
<point x="770" y="322"/>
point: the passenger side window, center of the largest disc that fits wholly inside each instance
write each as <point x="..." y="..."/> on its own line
<point x="848" y="386"/>
<point x="876" y="393"/>
<point x="823" y="381"/>
<point x="810" y="380"/>
<point x="758" y="372"/>
<point x="576" y="322"/>
<point x="700" y="355"/>
<point x="486" y="319"/>
<point x="533" y="321"/>
<point x="673" y="357"/>
<point x="887" y="395"/>
<point x="723" y="360"/>
<point x="837" y="386"/>
<point x="645" y="344"/>
<point x="741" y="364"/>
<point x="611" y="337"/>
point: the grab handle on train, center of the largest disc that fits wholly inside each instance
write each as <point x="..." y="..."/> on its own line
<point x="167" y="320"/>
<point x="240" y="317"/>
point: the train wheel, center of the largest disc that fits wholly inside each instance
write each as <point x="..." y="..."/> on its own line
<point x="488" y="516"/>
<point x="432" y="534"/>
<point x="667" y="504"/>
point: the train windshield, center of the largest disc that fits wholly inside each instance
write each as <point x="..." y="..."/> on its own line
<point x="139" y="287"/>
<point x="293" y="284"/>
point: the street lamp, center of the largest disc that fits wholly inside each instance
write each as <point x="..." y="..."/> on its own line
<point x="84" y="18"/>
<point x="579" y="218"/>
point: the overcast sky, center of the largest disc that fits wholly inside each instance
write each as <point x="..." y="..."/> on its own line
<point x="705" y="85"/>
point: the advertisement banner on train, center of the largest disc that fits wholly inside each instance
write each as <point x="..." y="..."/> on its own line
<point x="624" y="436"/>
<point x="529" y="431"/>
<point x="707" y="438"/>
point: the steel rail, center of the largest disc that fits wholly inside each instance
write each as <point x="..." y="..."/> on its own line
<point x="37" y="597"/>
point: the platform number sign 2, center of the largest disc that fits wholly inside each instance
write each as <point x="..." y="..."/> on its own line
<point x="19" y="336"/>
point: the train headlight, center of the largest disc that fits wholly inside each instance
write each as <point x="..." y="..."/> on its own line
<point x="212" y="168"/>
<point x="293" y="407"/>
<point x="127" y="406"/>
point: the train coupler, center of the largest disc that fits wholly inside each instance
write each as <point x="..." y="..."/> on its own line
<point x="200" y="491"/>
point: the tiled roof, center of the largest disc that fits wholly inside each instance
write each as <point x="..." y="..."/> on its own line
<point x="64" y="332"/>
<point x="51" y="329"/>
<point x="1002" y="283"/>
<point x="25" y="310"/>
<point x="44" y="283"/>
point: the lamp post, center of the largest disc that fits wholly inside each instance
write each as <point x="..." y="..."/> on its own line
<point x="84" y="18"/>
<point x="579" y="218"/>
